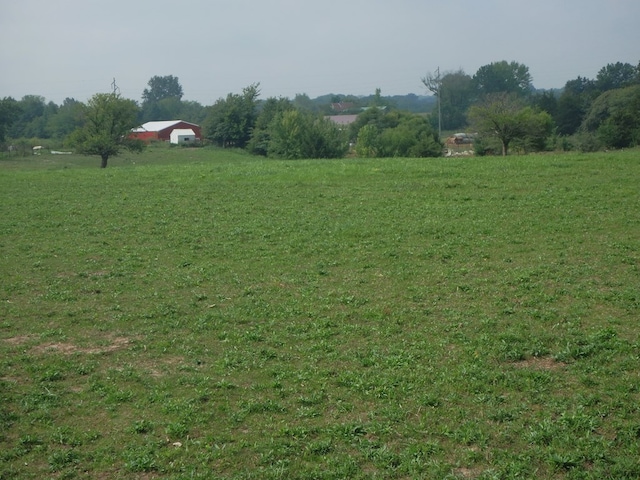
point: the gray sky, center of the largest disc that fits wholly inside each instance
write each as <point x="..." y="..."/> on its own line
<point x="75" y="48"/>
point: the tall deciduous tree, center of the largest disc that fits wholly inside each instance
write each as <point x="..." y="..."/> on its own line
<point x="160" y="88"/>
<point x="67" y="118"/>
<point x="505" y="117"/>
<point x="231" y="120"/>
<point x="616" y="75"/>
<point x="162" y="100"/>
<point x="108" y="120"/>
<point x="9" y="113"/>
<point x="573" y="104"/>
<point x="614" y="117"/>
<point x="456" y="96"/>
<point x="30" y="122"/>
<point x="546" y="101"/>
<point x="503" y="76"/>
<point x="192" y="111"/>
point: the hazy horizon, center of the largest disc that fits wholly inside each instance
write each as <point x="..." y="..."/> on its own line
<point x="74" y="48"/>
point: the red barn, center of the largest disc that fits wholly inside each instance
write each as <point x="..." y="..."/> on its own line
<point x="162" y="130"/>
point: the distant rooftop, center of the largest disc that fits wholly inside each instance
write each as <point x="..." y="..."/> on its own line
<point x="157" y="126"/>
<point x="342" y="119"/>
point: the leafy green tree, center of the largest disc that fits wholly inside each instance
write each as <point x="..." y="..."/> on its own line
<point x="30" y="122"/>
<point x="573" y="104"/>
<point x="297" y="134"/>
<point x="614" y="117"/>
<point x="537" y="127"/>
<point x="261" y="134"/>
<point x="616" y="75"/>
<point x="546" y="101"/>
<point x="377" y="101"/>
<point x="289" y="135"/>
<point x="230" y="121"/>
<point x="503" y="76"/>
<point x="571" y="109"/>
<point x="578" y="95"/>
<point x="9" y="113"/>
<point x="397" y="134"/>
<point x="368" y="144"/>
<point x="412" y="103"/>
<point x="327" y="140"/>
<point x="377" y="117"/>
<point x="412" y="137"/>
<point x="174" y="108"/>
<point x="162" y="99"/>
<point x="621" y="129"/>
<point x="609" y="103"/>
<point x="67" y="118"/>
<point x="457" y="93"/>
<point x="161" y="87"/>
<point x="108" y="120"/>
<point x="302" y="102"/>
<point x="505" y="117"/>
<point x="192" y="111"/>
<point x="164" y="109"/>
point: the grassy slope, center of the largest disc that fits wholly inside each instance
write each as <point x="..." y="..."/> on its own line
<point x="205" y="314"/>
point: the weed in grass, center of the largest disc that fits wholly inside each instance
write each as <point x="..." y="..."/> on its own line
<point x="60" y="459"/>
<point x="544" y="432"/>
<point x="142" y="426"/>
<point x="177" y="430"/>
<point x="141" y="459"/>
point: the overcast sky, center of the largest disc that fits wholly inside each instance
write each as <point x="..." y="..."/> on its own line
<point x="75" y="48"/>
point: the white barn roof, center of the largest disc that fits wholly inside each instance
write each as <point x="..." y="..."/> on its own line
<point x="158" y="126"/>
<point x="183" y="131"/>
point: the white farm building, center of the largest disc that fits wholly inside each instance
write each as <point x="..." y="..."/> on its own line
<point x="181" y="136"/>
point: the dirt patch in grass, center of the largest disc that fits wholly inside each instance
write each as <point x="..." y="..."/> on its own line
<point x="66" y="348"/>
<point x="19" y="340"/>
<point x="468" y="472"/>
<point x="540" y="363"/>
<point x="161" y="367"/>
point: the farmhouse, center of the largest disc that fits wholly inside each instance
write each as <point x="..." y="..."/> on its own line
<point x="162" y="130"/>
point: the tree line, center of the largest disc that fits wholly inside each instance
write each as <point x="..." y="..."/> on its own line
<point x="501" y="104"/>
<point x="498" y="103"/>
<point x="32" y="117"/>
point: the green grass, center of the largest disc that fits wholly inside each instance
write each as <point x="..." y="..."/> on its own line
<point x="195" y="313"/>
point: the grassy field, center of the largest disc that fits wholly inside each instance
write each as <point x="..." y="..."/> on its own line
<point x="193" y="313"/>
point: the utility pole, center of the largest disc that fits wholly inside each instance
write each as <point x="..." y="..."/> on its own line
<point x="439" y="111"/>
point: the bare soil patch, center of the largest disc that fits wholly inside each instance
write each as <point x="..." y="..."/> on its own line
<point x="540" y="363"/>
<point x="19" y="340"/>
<point x="468" y="472"/>
<point x="66" y="348"/>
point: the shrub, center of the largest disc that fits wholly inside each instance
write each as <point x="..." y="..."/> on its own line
<point x="296" y="134"/>
<point x="398" y="135"/>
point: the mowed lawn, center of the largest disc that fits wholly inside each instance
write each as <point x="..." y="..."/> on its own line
<point x="205" y="314"/>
